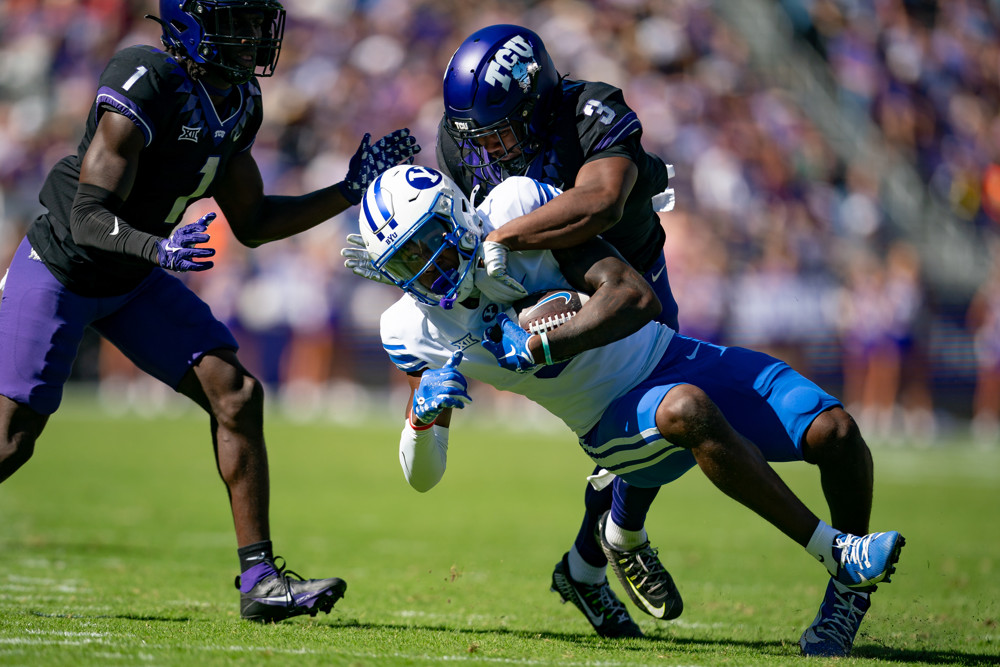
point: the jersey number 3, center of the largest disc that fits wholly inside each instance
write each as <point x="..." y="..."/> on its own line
<point x="605" y="114"/>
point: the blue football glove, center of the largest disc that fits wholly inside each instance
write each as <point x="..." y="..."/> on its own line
<point x="370" y="161"/>
<point x="508" y="342"/>
<point x="177" y="252"/>
<point x="440" y="388"/>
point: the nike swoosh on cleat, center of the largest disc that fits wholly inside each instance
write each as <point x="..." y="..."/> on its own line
<point x="278" y="599"/>
<point x="656" y="612"/>
<point x="114" y="232"/>
<point x="595" y="620"/>
<point x="693" y="354"/>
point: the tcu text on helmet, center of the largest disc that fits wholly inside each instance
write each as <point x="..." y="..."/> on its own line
<point x="515" y="49"/>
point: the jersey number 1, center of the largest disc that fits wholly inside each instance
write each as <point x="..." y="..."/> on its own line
<point x="207" y="175"/>
<point x="207" y="171"/>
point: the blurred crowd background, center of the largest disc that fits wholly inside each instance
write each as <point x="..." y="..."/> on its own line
<point x="837" y="181"/>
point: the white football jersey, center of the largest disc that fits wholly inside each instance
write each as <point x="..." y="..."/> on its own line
<point x="418" y="336"/>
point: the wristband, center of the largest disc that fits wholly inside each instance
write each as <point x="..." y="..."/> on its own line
<point x="417" y="426"/>
<point x="545" y="348"/>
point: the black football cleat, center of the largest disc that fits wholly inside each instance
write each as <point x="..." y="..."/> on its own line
<point x="643" y="576"/>
<point x="282" y="594"/>
<point x="596" y="601"/>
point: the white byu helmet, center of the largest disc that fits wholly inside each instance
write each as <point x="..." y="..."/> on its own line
<point x="422" y="233"/>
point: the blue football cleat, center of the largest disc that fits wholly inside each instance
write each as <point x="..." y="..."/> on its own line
<point x="832" y="632"/>
<point x="867" y="560"/>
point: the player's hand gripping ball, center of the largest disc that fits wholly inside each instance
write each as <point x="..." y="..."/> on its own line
<point x="536" y="314"/>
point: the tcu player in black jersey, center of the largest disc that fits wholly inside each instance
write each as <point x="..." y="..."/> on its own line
<point x="169" y="127"/>
<point x="508" y="112"/>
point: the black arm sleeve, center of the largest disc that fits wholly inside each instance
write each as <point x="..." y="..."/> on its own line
<point x="94" y="224"/>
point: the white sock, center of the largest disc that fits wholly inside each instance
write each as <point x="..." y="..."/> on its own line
<point x="582" y="571"/>
<point x="621" y="539"/>
<point x="820" y="546"/>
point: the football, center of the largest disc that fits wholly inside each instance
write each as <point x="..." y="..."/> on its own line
<point x="544" y="311"/>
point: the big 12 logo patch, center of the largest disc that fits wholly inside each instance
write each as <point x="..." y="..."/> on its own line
<point x="514" y="51"/>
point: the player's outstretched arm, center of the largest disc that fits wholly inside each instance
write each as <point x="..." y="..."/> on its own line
<point x="256" y="218"/>
<point x="423" y="442"/>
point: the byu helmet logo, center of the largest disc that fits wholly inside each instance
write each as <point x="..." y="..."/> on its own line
<point x="490" y="313"/>
<point x="422" y="178"/>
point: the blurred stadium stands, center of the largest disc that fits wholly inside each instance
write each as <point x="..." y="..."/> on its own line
<point x="838" y="183"/>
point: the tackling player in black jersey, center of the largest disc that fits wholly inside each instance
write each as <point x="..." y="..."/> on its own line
<point x="169" y="127"/>
<point x="508" y="112"/>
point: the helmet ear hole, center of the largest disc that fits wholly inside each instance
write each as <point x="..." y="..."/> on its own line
<point x="468" y="242"/>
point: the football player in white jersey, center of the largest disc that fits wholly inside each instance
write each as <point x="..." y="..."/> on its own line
<point x="646" y="403"/>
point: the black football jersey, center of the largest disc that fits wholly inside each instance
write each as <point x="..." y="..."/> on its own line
<point x="592" y="121"/>
<point x="188" y="143"/>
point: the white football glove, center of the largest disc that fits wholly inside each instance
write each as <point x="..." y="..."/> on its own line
<point x="494" y="282"/>
<point x="664" y="202"/>
<point x="359" y="261"/>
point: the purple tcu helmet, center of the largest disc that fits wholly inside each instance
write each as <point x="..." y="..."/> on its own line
<point x="501" y="80"/>
<point x="205" y="29"/>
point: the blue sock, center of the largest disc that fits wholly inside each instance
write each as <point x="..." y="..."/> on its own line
<point x="596" y="503"/>
<point x="631" y="504"/>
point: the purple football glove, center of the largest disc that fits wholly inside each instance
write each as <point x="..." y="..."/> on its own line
<point x="177" y="251"/>
<point x="370" y="161"/>
<point x="440" y="388"/>
<point x="508" y="342"/>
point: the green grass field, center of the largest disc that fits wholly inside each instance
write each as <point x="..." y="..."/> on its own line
<point x="116" y="548"/>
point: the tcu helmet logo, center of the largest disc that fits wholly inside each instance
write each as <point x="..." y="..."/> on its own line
<point x="422" y="178"/>
<point x="509" y="60"/>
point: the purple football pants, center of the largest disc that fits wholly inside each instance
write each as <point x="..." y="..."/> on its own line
<point x="161" y="325"/>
